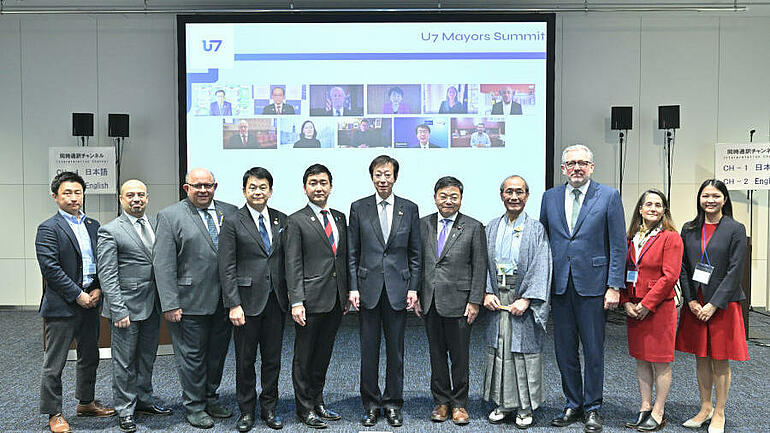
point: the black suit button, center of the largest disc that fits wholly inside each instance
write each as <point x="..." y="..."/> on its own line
<point x="267" y="277"/>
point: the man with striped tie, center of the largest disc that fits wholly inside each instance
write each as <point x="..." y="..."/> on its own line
<point x="317" y="282"/>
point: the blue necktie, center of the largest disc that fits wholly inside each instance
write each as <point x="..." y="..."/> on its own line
<point x="442" y="235"/>
<point x="211" y="227"/>
<point x="263" y="233"/>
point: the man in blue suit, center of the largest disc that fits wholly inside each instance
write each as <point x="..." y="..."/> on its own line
<point x="220" y="107"/>
<point x="586" y="228"/>
<point x="66" y="252"/>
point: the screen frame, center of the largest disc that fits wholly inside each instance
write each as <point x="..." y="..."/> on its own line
<point x="365" y="16"/>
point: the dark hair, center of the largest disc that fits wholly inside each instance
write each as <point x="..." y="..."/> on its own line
<point x="448" y="181"/>
<point x="220" y="91"/>
<point x="526" y="185"/>
<point x="395" y="90"/>
<point x="421" y="125"/>
<point x="259" y="173"/>
<point x="666" y="223"/>
<point x="727" y="209"/>
<point x="381" y="160"/>
<point x="456" y="92"/>
<point x="66" y="176"/>
<point x="283" y="91"/>
<point x="316" y="169"/>
<point x="302" y="134"/>
<point x="365" y="121"/>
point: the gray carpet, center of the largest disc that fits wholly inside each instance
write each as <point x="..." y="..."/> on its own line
<point x="21" y="358"/>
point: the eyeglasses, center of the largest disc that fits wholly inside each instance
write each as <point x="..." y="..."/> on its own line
<point x="201" y="186"/>
<point x="581" y="164"/>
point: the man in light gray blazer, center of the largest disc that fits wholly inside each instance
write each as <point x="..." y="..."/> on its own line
<point x="454" y="272"/>
<point x="187" y="275"/>
<point x="124" y="254"/>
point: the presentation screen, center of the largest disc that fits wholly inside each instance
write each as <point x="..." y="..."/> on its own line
<point x="464" y="95"/>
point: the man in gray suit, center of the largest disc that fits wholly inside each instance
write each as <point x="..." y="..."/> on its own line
<point x="251" y="270"/>
<point x="317" y="281"/>
<point x="124" y="254"/>
<point x="454" y="269"/>
<point x="187" y="275"/>
<point x="384" y="260"/>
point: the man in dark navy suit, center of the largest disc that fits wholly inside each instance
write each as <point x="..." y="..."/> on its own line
<point x="66" y="252"/>
<point x="586" y="228"/>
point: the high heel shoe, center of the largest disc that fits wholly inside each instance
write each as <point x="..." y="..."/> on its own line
<point x="640" y="418"/>
<point x="691" y="423"/>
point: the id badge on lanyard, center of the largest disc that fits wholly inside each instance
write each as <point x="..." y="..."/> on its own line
<point x="632" y="276"/>
<point x="703" y="271"/>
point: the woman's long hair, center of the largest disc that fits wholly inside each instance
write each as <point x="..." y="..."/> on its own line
<point x="665" y="223"/>
<point x="727" y="209"/>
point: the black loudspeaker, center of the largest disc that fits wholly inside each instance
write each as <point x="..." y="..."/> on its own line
<point x="82" y="124"/>
<point x="622" y="118"/>
<point x="117" y="125"/>
<point x="668" y="117"/>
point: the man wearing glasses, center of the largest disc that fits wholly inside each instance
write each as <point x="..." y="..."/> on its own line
<point x="187" y="277"/>
<point x="586" y="228"/>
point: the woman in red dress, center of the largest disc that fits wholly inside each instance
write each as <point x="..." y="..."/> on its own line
<point x="652" y="268"/>
<point x="711" y="323"/>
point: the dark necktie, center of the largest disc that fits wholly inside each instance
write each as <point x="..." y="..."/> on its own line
<point x="263" y="233"/>
<point x="211" y="226"/>
<point x="329" y="231"/>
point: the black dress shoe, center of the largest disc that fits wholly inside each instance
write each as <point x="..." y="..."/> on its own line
<point x="311" y="420"/>
<point x="153" y="410"/>
<point x="327" y="414"/>
<point x="245" y="422"/>
<point x="593" y="422"/>
<point x="651" y="425"/>
<point x="126" y="424"/>
<point x="271" y="419"/>
<point x="640" y="418"/>
<point x="370" y="417"/>
<point x="568" y="417"/>
<point x="393" y="416"/>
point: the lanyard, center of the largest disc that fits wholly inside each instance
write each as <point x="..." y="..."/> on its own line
<point x="703" y="245"/>
<point x="633" y="260"/>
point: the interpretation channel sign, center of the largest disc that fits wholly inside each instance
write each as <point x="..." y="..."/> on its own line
<point x="95" y="164"/>
<point x="743" y="166"/>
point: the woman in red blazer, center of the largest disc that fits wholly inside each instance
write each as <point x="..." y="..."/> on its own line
<point x="711" y="323"/>
<point x="652" y="268"/>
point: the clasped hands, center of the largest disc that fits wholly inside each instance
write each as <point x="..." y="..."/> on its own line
<point x="703" y="313"/>
<point x="89" y="300"/>
<point x="492" y="303"/>
<point x="636" y="311"/>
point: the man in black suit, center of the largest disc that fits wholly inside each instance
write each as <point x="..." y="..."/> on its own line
<point x="454" y="272"/>
<point x="278" y="94"/>
<point x="507" y="105"/>
<point x="242" y="139"/>
<point x="66" y="252"/>
<point x="422" y="132"/>
<point x="338" y="103"/>
<point x="251" y="271"/>
<point x="384" y="256"/>
<point x="317" y="279"/>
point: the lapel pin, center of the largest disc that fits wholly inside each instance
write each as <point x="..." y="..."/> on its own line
<point x="400" y="212"/>
<point x="275" y="221"/>
<point x="312" y="218"/>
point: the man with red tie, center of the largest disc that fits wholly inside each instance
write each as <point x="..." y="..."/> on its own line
<point x="317" y="282"/>
<point x="242" y="139"/>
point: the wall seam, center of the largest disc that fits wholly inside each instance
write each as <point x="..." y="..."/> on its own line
<point x="21" y="136"/>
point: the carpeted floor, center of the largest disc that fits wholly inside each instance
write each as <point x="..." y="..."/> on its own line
<point x="21" y="358"/>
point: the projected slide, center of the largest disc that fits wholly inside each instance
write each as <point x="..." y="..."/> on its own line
<point x="467" y="99"/>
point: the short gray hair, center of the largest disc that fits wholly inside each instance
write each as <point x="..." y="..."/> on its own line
<point x="576" y="147"/>
<point x="526" y="185"/>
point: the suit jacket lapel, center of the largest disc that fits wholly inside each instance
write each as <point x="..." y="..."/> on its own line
<point x="374" y="218"/>
<point x="434" y="233"/>
<point x="64" y="225"/>
<point x="92" y="234"/>
<point x="398" y="214"/>
<point x="275" y="228"/>
<point x="592" y="196"/>
<point x="198" y="221"/>
<point x="560" y="207"/>
<point x="454" y="233"/>
<point x="317" y="226"/>
<point x="248" y="222"/>
<point x="125" y="223"/>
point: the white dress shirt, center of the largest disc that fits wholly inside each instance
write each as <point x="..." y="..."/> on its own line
<point x="440" y="225"/>
<point x="317" y="211"/>
<point x="266" y="216"/>
<point x="134" y="223"/>
<point x="213" y="212"/>
<point x="569" y="198"/>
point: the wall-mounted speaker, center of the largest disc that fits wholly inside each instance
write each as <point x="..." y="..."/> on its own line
<point x="82" y="124"/>
<point x="622" y="118"/>
<point x="117" y="125"/>
<point x="668" y="117"/>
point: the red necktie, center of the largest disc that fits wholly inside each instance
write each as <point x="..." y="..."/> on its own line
<point x="329" y="231"/>
<point x="278" y="109"/>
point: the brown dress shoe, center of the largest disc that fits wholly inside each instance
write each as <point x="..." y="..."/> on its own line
<point x="58" y="424"/>
<point x="95" y="409"/>
<point x="460" y="416"/>
<point x="440" y="413"/>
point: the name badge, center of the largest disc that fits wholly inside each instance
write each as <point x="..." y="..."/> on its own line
<point x="632" y="276"/>
<point x="702" y="273"/>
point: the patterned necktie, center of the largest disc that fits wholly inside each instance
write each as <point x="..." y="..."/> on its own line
<point x="575" y="209"/>
<point x="278" y="109"/>
<point x="384" y="220"/>
<point x="442" y="235"/>
<point x="145" y="234"/>
<point x="211" y="226"/>
<point x="329" y="231"/>
<point x="263" y="233"/>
